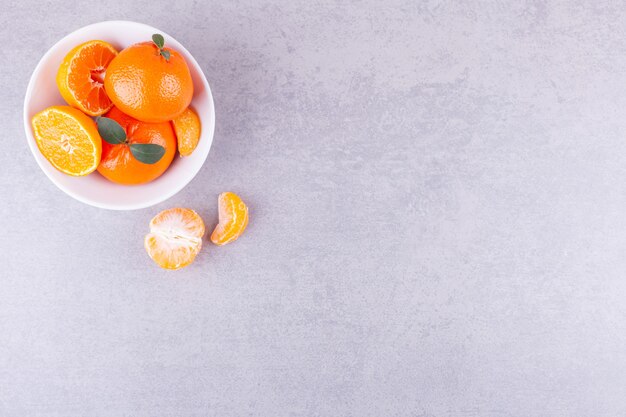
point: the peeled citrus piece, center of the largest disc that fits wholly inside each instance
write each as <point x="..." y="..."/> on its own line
<point x="81" y="77"/>
<point x="187" y="129"/>
<point x="68" y="139"/>
<point x="175" y="238"/>
<point x="233" y="215"/>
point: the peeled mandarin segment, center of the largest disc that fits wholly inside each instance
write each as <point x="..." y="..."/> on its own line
<point x="233" y="216"/>
<point x="187" y="129"/>
<point x="68" y="139"/>
<point x="175" y="238"/>
<point x="81" y="77"/>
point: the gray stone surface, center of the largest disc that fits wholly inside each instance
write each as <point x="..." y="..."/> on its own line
<point x="438" y="220"/>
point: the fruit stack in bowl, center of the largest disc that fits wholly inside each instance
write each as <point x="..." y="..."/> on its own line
<point x="128" y="112"/>
<point x="127" y="116"/>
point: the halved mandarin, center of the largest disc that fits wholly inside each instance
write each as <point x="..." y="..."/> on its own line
<point x="175" y="238"/>
<point x="233" y="219"/>
<point x="187" y="129"/>
<point x="68" y="139"/>
<point x="81" y="77"/>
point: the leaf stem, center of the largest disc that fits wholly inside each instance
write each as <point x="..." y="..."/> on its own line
<point x="159" y="41"/>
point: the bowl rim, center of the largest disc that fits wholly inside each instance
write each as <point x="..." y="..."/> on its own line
<point x="133" y="206"/>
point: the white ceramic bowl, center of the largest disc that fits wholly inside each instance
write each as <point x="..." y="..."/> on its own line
<point x="94" y="189"/>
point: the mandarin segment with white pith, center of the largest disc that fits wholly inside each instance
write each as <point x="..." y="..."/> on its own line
<point x="175" y="238"/>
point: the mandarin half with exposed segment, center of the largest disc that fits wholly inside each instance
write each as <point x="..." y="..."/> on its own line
<point x="187" y="129"/>
<point x="149" y="82"/>
<point x="120" y="166"/>
<point x="233" y="219"/>
<point x="80" y="77"/>
<point x="68" y="139"/>
<point x="175" y="238"/>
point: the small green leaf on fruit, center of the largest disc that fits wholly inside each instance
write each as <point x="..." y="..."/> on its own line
<point x="166" y="54"/>
<point x="148" y="153"/>
<point x="111" y="131"/>
<point x="158" y="40"/>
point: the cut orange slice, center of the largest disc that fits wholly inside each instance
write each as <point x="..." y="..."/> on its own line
<point x="187" y="129"/>
<point x="81" y="77"/>
<point x="175" y="238"/>
<point x="68" y="139"/>
<point x="233" y="215"/>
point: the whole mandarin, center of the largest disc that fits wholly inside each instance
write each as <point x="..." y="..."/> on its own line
<point x="146" y="85"/>
<point x="117" y="163"/>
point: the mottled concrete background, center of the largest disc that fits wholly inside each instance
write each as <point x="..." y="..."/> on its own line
<point x="438" y="226"/>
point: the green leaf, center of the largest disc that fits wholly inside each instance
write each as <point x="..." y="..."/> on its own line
<point x="111" y="131"/>
<point x="148" y="153"/>
<point x="166" y="54"/>
<point x="158" y="40"/>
